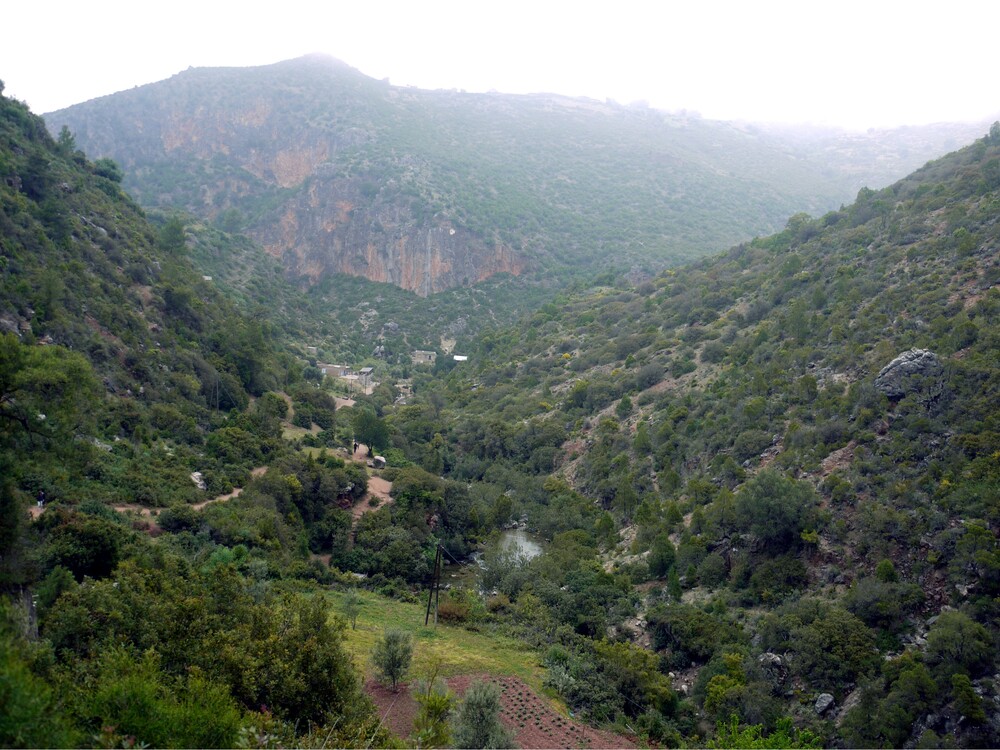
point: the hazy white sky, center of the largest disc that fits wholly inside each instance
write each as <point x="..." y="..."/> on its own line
<point x="844" y="62"/>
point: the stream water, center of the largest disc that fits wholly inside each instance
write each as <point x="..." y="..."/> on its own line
<point x="519" y="540"/>
<point x="516" y="540"/>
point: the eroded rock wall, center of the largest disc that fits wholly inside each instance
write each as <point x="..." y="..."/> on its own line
<point x="332" y="228"/>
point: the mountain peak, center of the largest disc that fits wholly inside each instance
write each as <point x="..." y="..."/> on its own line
<point x="317" y="60"/>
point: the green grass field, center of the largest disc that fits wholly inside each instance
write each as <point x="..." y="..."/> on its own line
<point x="453" y="649"/>
<point x="290" y="432"/>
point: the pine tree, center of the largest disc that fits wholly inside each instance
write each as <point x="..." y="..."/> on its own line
<point x="431" y="727"/>
<point x="674" y="584"/>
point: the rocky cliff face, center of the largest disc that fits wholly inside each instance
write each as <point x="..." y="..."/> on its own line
<point x="331" y="228"/>
<point x="276" y="159"/>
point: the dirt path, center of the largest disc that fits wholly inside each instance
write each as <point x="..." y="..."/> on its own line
<point x="145" y="512"/>
<point x="378" y="489"/>
<point x="142" y="510"/>
<point x="258" y="472"/>
<point x="360" y="456"/>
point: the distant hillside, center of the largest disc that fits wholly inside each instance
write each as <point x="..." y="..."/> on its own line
<point x="876" y="157"/>
<point x="749" y="343"/>
<point x="334" y="172"/>
<point x="351" y="319"/>
<point x="793" y="446"/>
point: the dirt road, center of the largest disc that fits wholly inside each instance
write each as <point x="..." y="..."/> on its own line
<point x="378" y="489"/>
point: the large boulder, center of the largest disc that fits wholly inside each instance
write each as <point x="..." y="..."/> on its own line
<point x="773" y="668"/>
<point x="824" y="702"/>
<point x="917" y="370"/>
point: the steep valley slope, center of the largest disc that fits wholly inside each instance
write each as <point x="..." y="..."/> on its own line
<point x="767" y="483"/>
<point x="336" y="173"/>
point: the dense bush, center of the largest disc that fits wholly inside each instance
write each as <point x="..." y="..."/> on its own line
<point x="690" y="633"/>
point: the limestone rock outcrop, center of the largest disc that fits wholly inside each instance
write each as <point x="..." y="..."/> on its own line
<point x="913" y="370"/>
<point x="824" y="702"/>
<point x="331" y="227"/>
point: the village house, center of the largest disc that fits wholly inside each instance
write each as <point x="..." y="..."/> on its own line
<point x="337" y="371"/>
<point x="363" y="379"/>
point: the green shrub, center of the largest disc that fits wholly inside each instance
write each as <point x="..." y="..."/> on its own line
<point x="30" y="715"/>
<point x="956" y="644"/>
<point x="775" y="509"/>
<point x="137" y="703"/>
<point x="690" y="632"/>
<point x="833" y="650"/>
<point x="477" y="722"/>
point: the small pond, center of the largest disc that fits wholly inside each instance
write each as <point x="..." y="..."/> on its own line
<point x="520" y="541"/>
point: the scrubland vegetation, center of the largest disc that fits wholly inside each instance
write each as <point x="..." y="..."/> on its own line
<point x="751" y="537"/>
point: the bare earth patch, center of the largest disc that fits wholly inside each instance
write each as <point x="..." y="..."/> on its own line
<point x="378" y="489"/>
<point x="535" y="723"/>
<point x="769" y="454"/>
<point x="838" y="460"/>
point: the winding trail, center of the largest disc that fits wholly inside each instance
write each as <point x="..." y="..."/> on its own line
<point x="258" y="472"/>
<point x="378" y="489"/>
<point x="146" y="512"/>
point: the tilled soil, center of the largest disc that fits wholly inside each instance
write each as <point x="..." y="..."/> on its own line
<point x="534" y="722"/>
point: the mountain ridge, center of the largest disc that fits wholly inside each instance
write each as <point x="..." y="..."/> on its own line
<point x="746" y="525"/>
<point x="335" y="172"/>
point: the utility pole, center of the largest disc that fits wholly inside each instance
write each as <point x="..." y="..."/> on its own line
<point x="435" y="591"/>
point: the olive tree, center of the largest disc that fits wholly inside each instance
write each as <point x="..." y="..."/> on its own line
<point x="477" y="723"/>
<point x="392" y="654"/>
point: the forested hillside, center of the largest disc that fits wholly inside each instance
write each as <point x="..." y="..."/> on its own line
<point x="765" y="486"/>
<point x="334" y="172"/>
<point x="751" y="480"/>
<point x="122" y="372"/>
